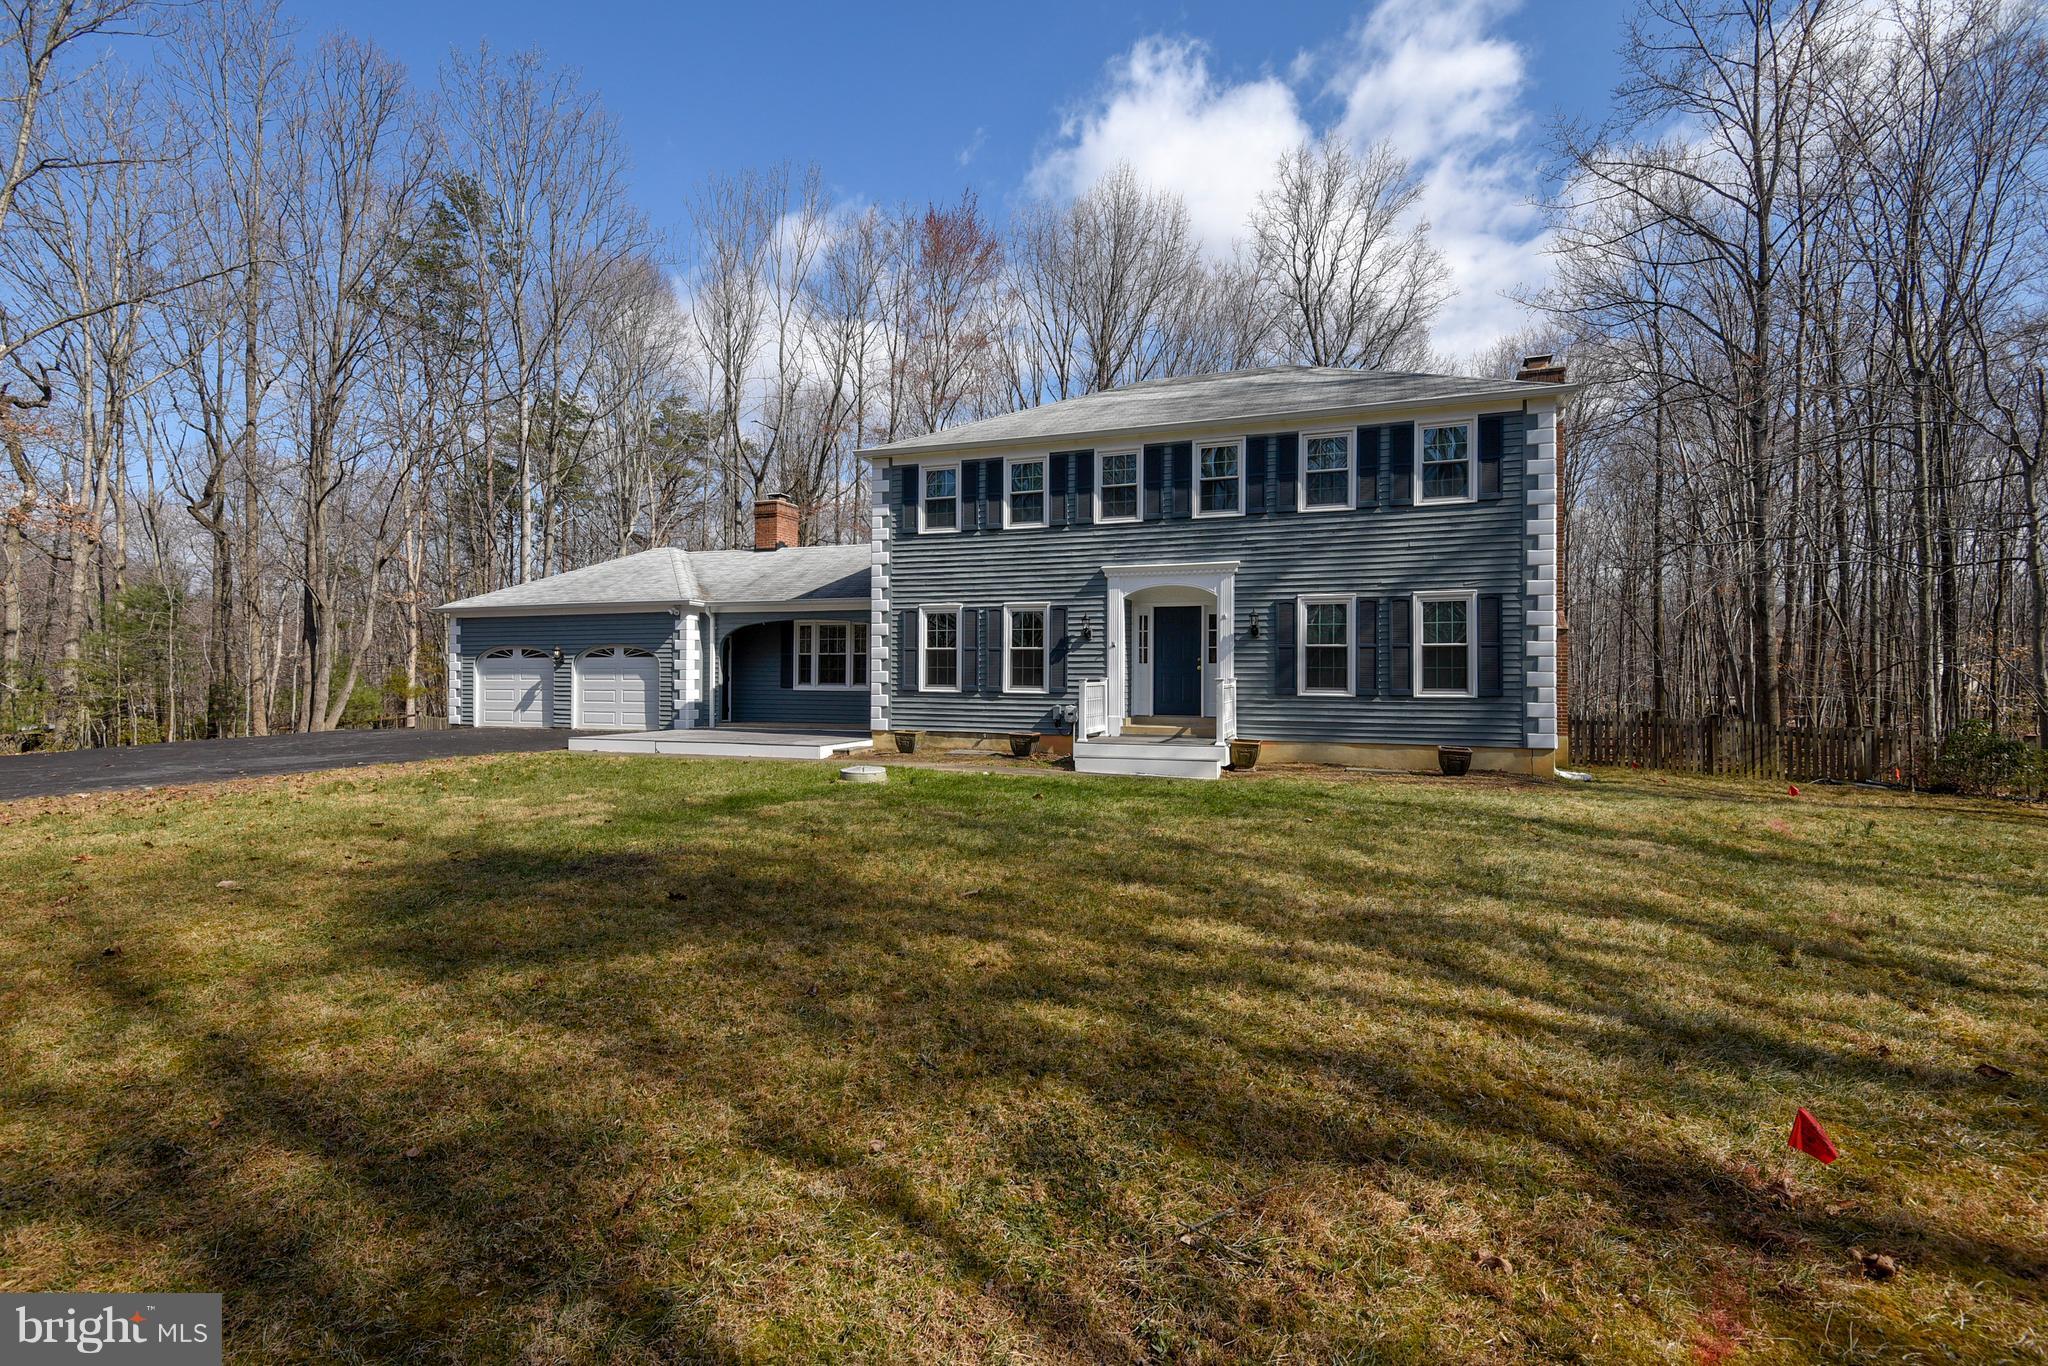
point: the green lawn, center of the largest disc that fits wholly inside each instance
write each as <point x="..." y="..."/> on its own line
<point x="567" y="1057"/>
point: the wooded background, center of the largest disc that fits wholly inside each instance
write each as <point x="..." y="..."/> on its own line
<point x="297" y="344"/>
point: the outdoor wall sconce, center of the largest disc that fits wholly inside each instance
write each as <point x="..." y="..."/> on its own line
<point x="1252" y="628"/>
<point x="558" y="656"/>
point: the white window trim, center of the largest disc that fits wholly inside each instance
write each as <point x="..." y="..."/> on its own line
<point x="1470" y="598"/>
<point x="1045" y="610"/>
<point x="1301" y="606"/>
<point x="937" y="609"/>
<point x="1195" y="476"/>
<point x="1044" y="463"/>
<point x="1350" y="440"/>
<point x="1471" y="426"/>
<point x="924" y="498"/>
<point x="1137" y="486"/>
<point x="796" y="639"/>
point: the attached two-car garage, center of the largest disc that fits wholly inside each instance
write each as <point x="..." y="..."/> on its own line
<point x="617" y="687"/>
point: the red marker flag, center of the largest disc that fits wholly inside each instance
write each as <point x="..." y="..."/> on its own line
<point x="1809" y="1138"/>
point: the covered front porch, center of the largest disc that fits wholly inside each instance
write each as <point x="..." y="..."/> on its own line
<point x="1168" y="705"/>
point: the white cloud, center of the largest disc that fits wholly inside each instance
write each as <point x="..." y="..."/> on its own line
<point x="1181" y="129"/>
<point x="1433" y="77"/>
<point x="974" y="145"/>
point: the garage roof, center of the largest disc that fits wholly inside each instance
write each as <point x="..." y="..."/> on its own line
<point x="668" y="577"/>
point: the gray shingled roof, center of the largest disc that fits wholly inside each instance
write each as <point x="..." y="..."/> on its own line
<point x="666" y="576"/>
<point x="1240" y="396"/>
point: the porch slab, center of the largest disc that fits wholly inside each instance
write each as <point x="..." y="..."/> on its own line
<point x="727" y="742"/>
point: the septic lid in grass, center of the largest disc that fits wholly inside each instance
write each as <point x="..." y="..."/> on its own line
<point x="864" y="773"/>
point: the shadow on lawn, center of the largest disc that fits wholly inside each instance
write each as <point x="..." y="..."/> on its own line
<point x="815" y="993"/>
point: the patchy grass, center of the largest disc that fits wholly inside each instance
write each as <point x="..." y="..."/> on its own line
<point x="568" y="1057"/>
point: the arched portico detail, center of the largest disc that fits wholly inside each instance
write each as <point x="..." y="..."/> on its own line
<point x="1173" y="582"/>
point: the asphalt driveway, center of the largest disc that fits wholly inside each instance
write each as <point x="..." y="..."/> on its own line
<point x="200" y="761"/>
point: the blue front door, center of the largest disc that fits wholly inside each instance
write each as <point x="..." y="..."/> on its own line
<point x="1176" y="661"/>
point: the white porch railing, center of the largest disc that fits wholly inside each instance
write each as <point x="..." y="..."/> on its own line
<point x="1226" y="709"/>
<point x="1094" y="706"/>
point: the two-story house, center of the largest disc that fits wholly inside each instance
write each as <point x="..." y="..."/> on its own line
<point x="1348" y="566"/>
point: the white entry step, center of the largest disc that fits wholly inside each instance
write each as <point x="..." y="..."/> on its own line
<point x="723" y="742"/>
<point x="1152" y="756"/>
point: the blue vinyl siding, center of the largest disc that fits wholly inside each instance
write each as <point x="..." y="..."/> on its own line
<point x="572" y="634"/>
<point x="758" y="694"/>
<point x="1375" y="551"/>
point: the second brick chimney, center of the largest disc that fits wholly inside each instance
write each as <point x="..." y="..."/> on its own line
<point x="775" y="523"/>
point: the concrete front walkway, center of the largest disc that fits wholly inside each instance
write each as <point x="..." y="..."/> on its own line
<point x="728" y="742"/>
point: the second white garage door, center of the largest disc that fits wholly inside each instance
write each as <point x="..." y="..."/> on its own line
<point x="618" y="687"/>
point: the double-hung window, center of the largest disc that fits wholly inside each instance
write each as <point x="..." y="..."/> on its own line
<point x="1025" y="480"/>
<point x="1116" y="487"/>
<point x="1446" y="462"/>
<point x="1443" y="630"/>
<point x="941" y="506"/>
<point x="1326" y="645"/>
<point x="1221" y="478"/>
<point x="831" y="654"/>
<point x="1024" y="648"/>
<point x="939" y="660"/>
<point x="1326" y="470"/>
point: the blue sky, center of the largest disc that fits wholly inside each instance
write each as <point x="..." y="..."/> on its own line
<point x="915" y="102"/>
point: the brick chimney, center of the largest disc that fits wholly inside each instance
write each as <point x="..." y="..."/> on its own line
<point x="774" y="522"/>
<point x="1548" y="369"/>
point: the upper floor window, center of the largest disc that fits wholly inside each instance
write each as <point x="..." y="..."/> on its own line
<point x="1026" y="504"/>
<point x="1116" y="487"/>
<point x="939" y="660"/>
<point x="1446" y="462"/>
<point x="941" y="505"/>
<point x="1326" y="645"/>
<point x="1444" y="628"/>
<point x="1221" y="479"/>
<point x="1024" y="659"/>
<point x="831" y="654"/>
<point x="1326" y="470"/>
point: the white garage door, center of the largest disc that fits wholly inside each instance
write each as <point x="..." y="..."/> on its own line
<point x="617" y="688"/>
<point x="514" y="687"/>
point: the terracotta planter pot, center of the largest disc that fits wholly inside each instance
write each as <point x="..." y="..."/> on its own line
<point x="1454" y="761"/>
<point x="1021" y="745"/>
<point x="1244" y="753"/>
<point x="906" y="741"/>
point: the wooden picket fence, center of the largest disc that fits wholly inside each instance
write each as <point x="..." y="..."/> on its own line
<point x="1737" y="748"/>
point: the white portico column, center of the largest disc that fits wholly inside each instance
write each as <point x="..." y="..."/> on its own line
<point x="1118" y="704"/>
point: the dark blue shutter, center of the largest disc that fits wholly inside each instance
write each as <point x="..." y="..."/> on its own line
<point x="963" y="635"/>
<point x="1056" y="651"/>
<point x="1288" y="459"/>
<point x="1492" y="438"/>
<point x="1369" y="440"/>
<point x="788" y="654"/>
<point x="1255" y="475"/>
<point x="1489" y="645"/>
<point x="991" y="663"/>
<point x="1155" y="481"/>
<point x="1365" y="624"/>
<point x="1402" y="651"/>
<point x="906" y="491"/>
<point x="1083" y="486"/>
<point x="1283" y="648"/>
<point x="1056" y="485"/>
<point x="907" y="646"/>
<point x="1401" y="461"/>
<point x="988" y="508"/>
<point x="1180" y="477"/>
